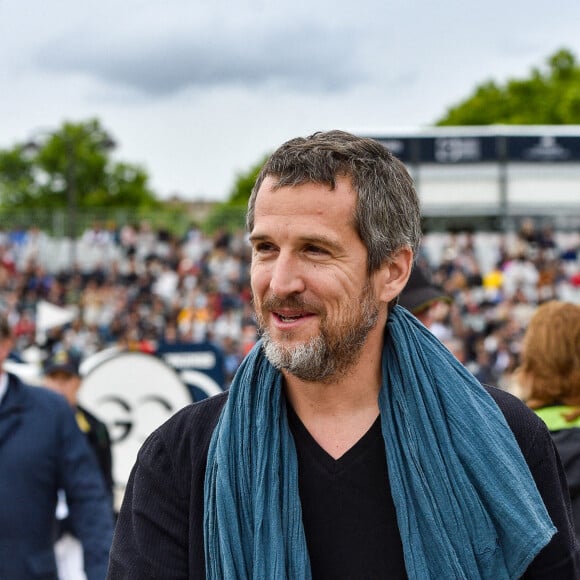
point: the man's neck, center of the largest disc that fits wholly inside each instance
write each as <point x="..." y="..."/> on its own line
<point x="338" y="413"/>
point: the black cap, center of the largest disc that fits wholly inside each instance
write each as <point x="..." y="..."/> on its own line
<point x="62" y="361"/>
<point x="420" y="292"/>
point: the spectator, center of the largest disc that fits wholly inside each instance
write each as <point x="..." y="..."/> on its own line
<point x="62" y="375"/>
<point x="41" y="451"/>
<point x="434" y="308"/>
<point x="420" y="295"/>
<point x="549" y="378"/>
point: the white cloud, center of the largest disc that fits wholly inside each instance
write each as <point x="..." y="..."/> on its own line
<point x="197" y="91"/>
<point x="290" y="56"/>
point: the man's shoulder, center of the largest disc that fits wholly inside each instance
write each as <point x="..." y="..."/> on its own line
<point x="189" y="430"/>
<point x="45" y="415"/>
<point x="202" y="414"/>
<point x="509" y="404"/>
<point x="37" y="396"/>
<point x="524" y="423"/>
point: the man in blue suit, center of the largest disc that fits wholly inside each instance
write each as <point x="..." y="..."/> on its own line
<point x="43" y="451"/>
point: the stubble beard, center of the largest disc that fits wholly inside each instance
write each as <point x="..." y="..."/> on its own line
<point x="330" y="354"/>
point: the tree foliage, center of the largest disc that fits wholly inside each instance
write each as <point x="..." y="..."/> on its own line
<point x="550" y="96"/>
<point x="231" y="214"/>
<point x="243" y="184"/>
<point x="71" y="165"/>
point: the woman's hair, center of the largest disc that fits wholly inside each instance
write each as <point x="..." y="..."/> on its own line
<point x="387" y="215"/>
<point x="549" y="370"/>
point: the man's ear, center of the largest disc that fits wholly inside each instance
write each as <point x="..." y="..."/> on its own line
<point x="394" y="273"/>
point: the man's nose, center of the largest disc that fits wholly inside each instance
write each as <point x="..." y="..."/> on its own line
<point x="287" y="276"/>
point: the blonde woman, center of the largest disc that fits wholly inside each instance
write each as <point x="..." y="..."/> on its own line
<point x="549" y="378"/>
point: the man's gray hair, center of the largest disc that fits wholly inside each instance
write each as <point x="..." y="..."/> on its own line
<point x="387" y="215"/>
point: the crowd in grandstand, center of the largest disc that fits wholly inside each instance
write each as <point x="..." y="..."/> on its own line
<point x="137" y="287"/>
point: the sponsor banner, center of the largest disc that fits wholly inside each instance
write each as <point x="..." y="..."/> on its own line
<point x="547" y="148"/>
<point x="199" y="365"/>
<point x="133" y="393"/>
<point x="459" y="149"/>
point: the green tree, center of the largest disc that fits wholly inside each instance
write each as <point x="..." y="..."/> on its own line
<point x="243" y="184"/>
<point x="71" y="167"/>
<point x="550" y="96"/>
<point x="231" y="213"/>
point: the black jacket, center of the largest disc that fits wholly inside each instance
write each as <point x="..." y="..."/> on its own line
<point x="568" y="445"/>
<point x="159" y="532"/>
<point x="98" y="437"/>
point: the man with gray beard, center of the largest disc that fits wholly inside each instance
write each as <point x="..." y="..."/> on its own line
<point x="351" y="443"/>
<point x="328" y="353"/>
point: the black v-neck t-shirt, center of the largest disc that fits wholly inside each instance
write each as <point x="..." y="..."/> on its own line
<point x="347" y="508"/>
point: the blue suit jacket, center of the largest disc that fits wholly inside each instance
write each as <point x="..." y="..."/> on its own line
<point x="42" y="450"/>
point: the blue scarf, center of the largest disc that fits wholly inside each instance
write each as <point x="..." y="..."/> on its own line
<point x="466" y="503"/>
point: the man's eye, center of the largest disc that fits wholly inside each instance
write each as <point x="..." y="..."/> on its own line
<point x="264" y="247"/>
<point x="315" y="250"/>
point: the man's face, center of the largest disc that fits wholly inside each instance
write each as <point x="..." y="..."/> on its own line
<point x="65" y="384"/>
<point x="314" y="300"/>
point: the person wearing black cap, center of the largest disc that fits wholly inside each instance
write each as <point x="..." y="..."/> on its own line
<point x="420" y="295"/>
<point x="62" y="375"/>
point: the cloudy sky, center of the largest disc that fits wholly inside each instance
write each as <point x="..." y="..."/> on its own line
<point x="199" y="90"/>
